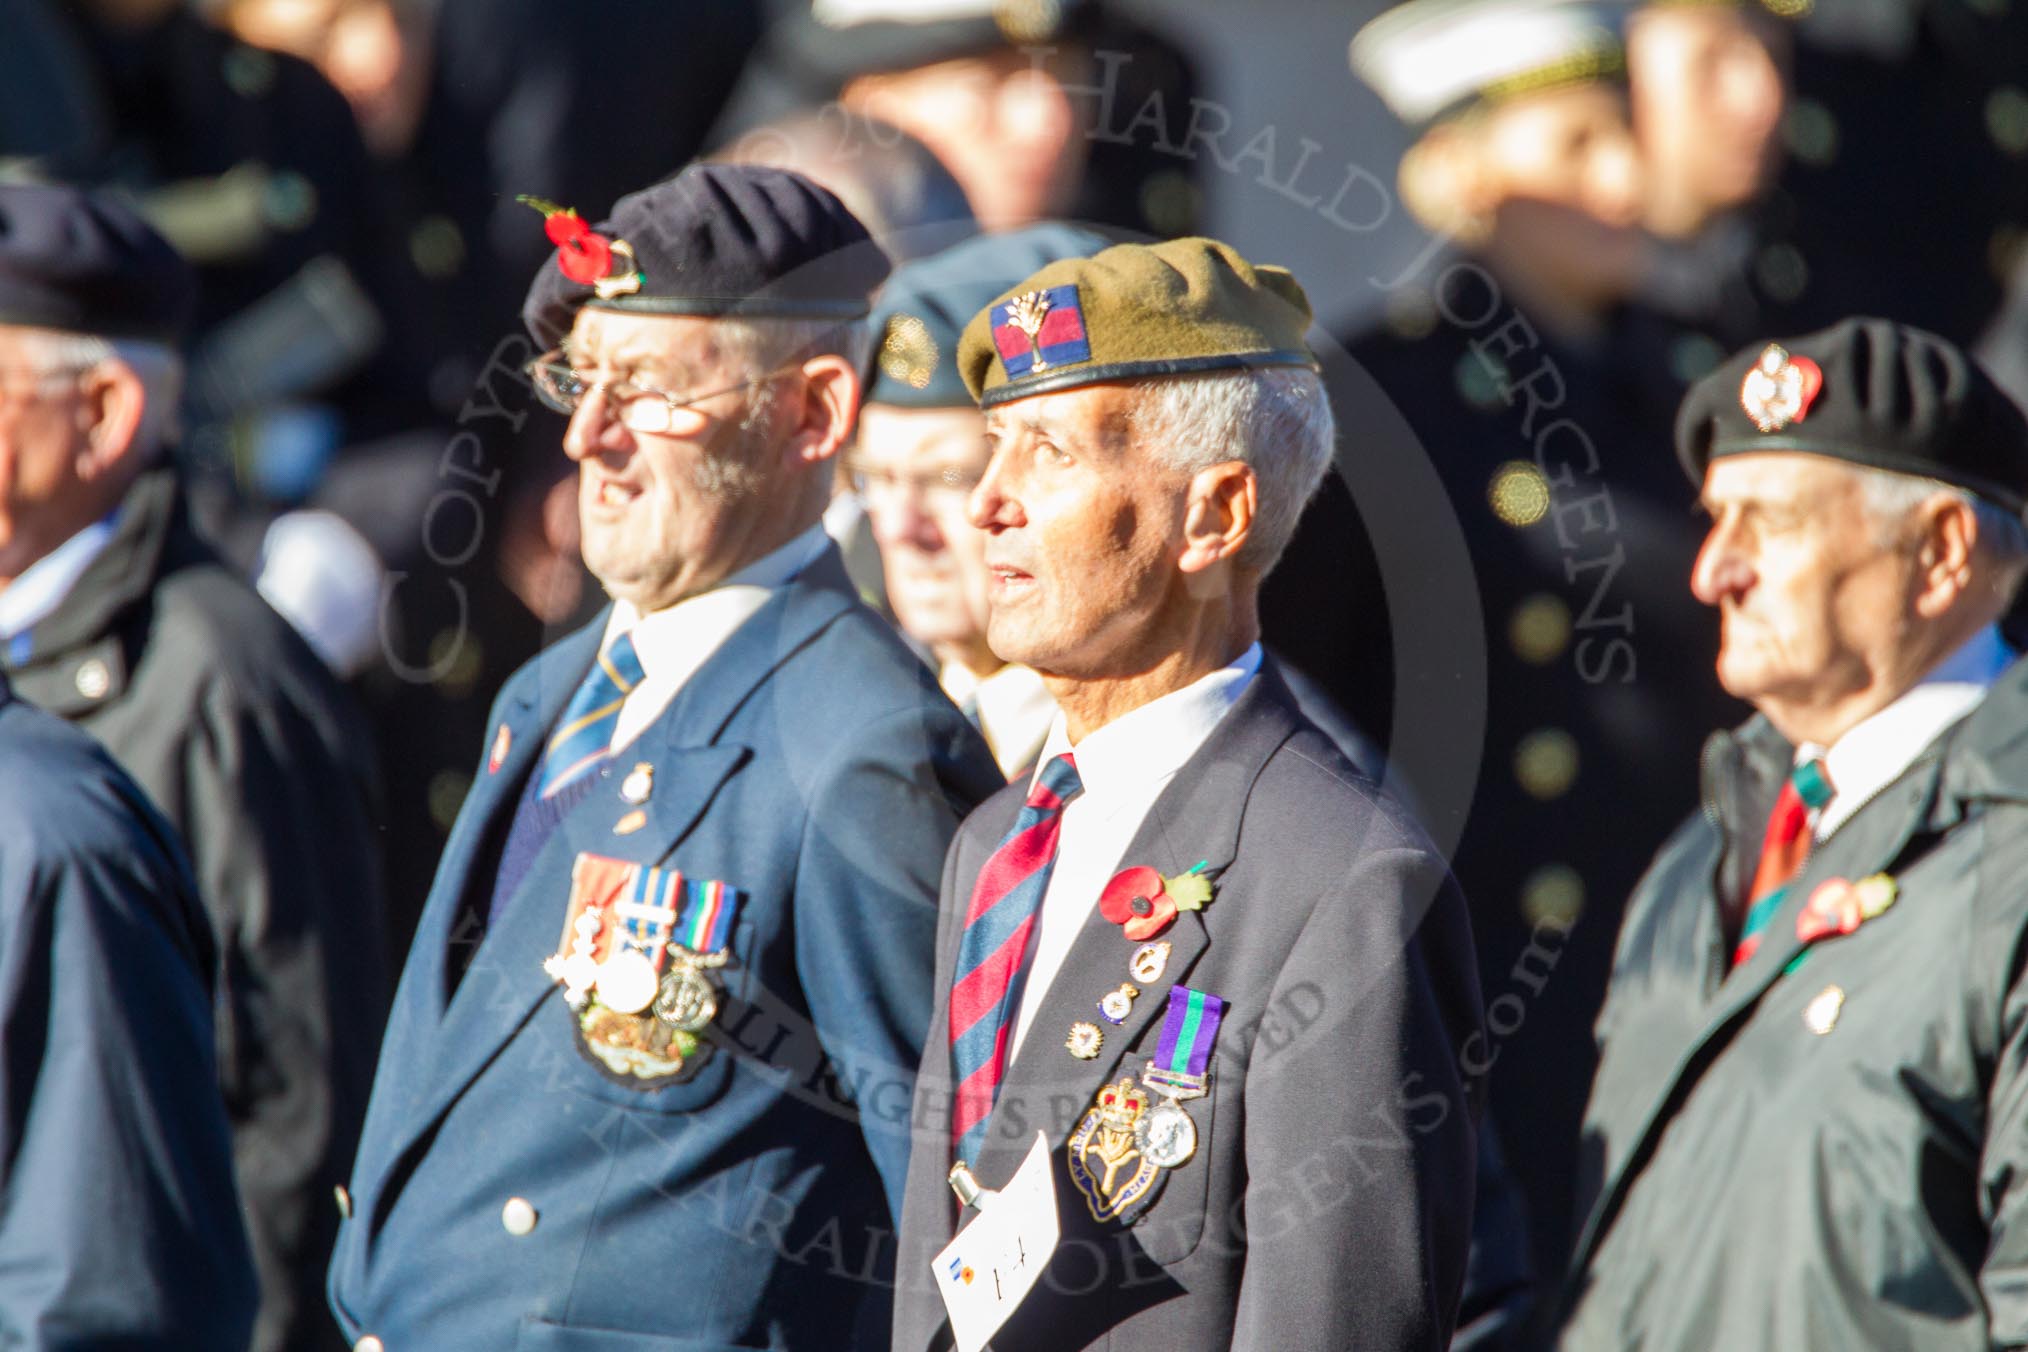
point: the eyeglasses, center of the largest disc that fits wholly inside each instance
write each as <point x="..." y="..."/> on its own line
<point x="637" y="407"/>
<point x="883" y="486"/>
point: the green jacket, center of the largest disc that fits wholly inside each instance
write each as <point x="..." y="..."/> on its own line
<point x="260" y="759"/>
<point x="1825" y="1148"/>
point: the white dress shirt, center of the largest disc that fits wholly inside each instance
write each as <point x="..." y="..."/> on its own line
<point x="1013" y="709"/>
<point x="675" y="641"/>
<point x="1874" y="751"/>
<point x="1124" y="767"/>
<point x="35" y="595"/>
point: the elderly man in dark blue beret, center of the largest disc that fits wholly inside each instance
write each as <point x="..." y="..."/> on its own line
<point x="1806" y="1129"/>
<point x="649" y="1077"/>
<point x="117" y="615"/>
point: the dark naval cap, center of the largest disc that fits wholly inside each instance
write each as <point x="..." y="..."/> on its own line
<point x="923" y="309"/>
<point x="717" y="240"/>
<point x="82" y="262"/>
<point x="1134" y="311"/>
<point x="1869" y="391"/>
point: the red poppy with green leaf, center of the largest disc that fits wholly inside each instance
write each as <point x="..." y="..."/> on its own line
<point x="1142" y="902"/>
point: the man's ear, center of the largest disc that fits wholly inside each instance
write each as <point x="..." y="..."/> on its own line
<point x="113" y="401"/>
<point x="830" y="406"/>
<point x="1218" y="514"/>
<point x="1948" y="537"/>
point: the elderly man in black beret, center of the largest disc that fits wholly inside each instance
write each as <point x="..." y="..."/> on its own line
<point x="649" y="1076"/>
<point x="1806" y="1129"/>
<point x="115" y="614"/>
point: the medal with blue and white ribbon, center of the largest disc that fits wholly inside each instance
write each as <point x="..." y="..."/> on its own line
<point x="629" y="976"/>
<point x="1180" y="1070"/>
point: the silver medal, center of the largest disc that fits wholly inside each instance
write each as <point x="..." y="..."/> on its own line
<point x="688" y="1001"/>
<point x="1166" y="1135"/>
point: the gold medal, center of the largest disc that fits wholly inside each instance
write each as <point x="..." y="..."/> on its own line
<point x="687" y="1001"/>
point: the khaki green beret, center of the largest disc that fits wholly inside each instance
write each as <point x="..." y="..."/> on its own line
<point x="1131" y="312"/>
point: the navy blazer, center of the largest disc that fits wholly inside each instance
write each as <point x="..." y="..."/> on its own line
<point x="119" y="1224"/>
<point x="812" y="763"/>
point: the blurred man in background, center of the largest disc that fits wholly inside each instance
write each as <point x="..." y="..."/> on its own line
<point x="1805" y="1129"/>
<point x="920" y="452"/>
<point x="121" y="1227"/>
<point x="1516" y="371"/>
<point x="117" y="615"/>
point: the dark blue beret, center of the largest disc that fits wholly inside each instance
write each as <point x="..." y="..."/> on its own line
<point x="925" y="306"/>
<point x="82" y="262"/>
<point x="1869" y="391"/>
<point x="720" y="240"/>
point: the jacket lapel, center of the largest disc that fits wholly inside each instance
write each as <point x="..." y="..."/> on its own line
<point x="1196" y="818"/>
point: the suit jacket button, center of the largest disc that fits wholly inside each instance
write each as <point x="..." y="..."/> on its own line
<point x="518" y="1216"/>
<point x="369" y="1344"/>
<point x="344" y="1199"/>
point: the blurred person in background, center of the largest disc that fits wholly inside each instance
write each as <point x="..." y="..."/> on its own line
<point x="1806" y="1130"/>
<point x="1793" y="153"/>
<point x="1008" y="95"/>
<point x="1515" y="368"/>
<point x="116" y="614"/>
<point x="919" y="453"/>
<point x="121" y="1226"/>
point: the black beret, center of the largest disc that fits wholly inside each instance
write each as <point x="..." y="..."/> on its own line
<point x="80" y="261"/>
<point x="925" y="306"/>
<point x="1869" y="391"/>
<point x="715" y="240"/>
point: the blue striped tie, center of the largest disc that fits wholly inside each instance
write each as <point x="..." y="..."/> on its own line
<point x="585" y="736"/>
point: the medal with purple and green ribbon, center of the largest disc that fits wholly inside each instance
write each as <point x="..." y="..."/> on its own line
<point x="1183" y="1055"/>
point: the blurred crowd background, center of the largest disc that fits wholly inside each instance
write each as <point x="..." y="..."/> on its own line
<point x="1509" y="305"/>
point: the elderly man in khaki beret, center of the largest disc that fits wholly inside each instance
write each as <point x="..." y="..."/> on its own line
<point x="1203" y="987"/>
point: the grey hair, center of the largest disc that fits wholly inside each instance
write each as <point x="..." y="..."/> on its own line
<point x="2002" y="535"/>
<point x="155" y="365"/>
<point x="1276" y="420"/>
<point x="776" y="342"/>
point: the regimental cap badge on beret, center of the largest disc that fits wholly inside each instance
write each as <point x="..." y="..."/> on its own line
<point x="1039" y="329"/>
<point x="607" y="266"/>
<point x="908" y="354"/>
<point x="1779" y="388"/>
<point x="1131" y="312"/>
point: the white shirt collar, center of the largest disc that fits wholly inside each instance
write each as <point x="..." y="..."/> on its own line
<point x="1152" y="743"/>
<point x="35" y="595"/>
<point x="675" y="641"/>
<point x="1012" y="707"/>
<point x="1874" y="751"/>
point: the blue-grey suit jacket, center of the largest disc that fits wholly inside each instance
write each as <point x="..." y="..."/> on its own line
<point x="119" y="1224"/>
<point x="811" y="763"/>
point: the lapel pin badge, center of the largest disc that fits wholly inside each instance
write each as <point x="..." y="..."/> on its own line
<point x="632" y="822"/>
<point x="639" y="783"/>
<point x="502" y="740"/>
<point x="1115" y="1005"/>
<point x="1085" y="1040"/>
<point x="1820" y="1016"/>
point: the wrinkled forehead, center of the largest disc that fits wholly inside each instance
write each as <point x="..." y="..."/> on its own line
<point x="1091" y="418"/>
<point x="931" y="438"/>
<point x="674" y="344"/>
<point x="1778" y="478"/>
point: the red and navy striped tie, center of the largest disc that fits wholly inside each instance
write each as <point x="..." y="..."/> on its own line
<point x="998" y="925"/>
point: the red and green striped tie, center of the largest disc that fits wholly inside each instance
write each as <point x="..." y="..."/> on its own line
<point x="1783" y="850"/>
